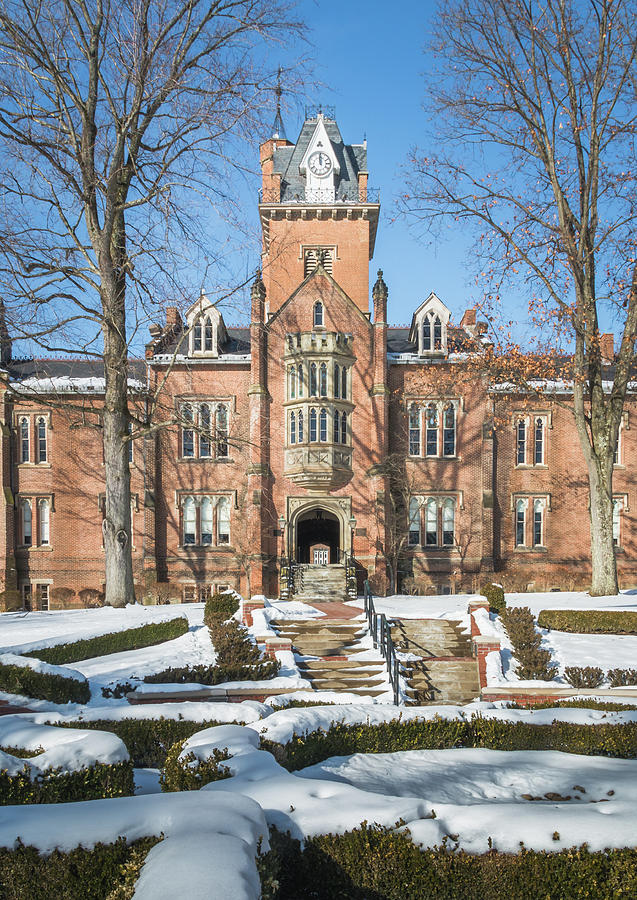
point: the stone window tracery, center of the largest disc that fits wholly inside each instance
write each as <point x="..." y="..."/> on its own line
<point x="440" y="429"/>
<point x="205" y="520"/>
<point x="204" y="430"/>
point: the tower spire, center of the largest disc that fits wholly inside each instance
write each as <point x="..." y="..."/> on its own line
<point x="278" y="129"/>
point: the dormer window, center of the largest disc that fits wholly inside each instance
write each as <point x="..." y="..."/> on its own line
<point x="318" y="314"/>
<point x="206" y="329"/>
<point x="429" y="327"/>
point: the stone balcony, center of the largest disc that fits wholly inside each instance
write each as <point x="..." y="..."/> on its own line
<point x="319" y="468"/>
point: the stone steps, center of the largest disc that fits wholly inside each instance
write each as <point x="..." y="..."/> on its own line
<point x="320" y="583"/>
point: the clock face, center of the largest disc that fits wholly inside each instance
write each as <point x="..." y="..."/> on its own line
<point x="320" y="163"/>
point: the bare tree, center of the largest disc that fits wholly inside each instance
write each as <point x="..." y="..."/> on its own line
<point x="536" y="103"/>
<point x="392" y="513"/>
<point x="110" y="114"/>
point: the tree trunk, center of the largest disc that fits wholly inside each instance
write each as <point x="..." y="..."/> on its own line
<point x="604" y="574"/>
<point x="117" y="520"/>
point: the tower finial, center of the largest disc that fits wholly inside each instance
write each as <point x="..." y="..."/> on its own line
<point x="278" y="129"/>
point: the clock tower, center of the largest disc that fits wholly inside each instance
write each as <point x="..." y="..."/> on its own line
<point x="315" y="204"/>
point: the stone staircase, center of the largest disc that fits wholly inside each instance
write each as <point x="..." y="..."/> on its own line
<point x="320" y="583"/>
<point x="447" y="672"/>
<point x="326" y="654"/>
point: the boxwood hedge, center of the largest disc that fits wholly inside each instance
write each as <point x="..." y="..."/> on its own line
<point x="375" y="863"/>
<point x="106" y="872"/>
<point x="58" y="786"/>
<point x="339" y="739"/>
<point x="43" y="685"/>
<point x="589" y="621"/>
<point x="147" y="740"/>
<point x="114" y="642"/>
<point x="191" y="773"/>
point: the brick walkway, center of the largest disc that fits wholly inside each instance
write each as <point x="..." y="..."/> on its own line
<point x="338" y="610"/>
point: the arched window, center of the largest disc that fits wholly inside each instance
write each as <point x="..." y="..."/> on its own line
<point x="426" y="333"/>
<point x="538" y="450"/>
<point x="300" y="380"/>
<point x="318" y="313"/>
<point x="520" y="455"/>
<point x="223" y="521"/>
<point x="323" y="380"/>
<point x="414" y="430"/>
<point x="44" y="521"/>
<point x="222" y="431"/>
<point x="337" y="427"/>
<point x="301" y="438"/>
<point x="313" y="380"/>
<point x="24" y="440"/>
<point x="431" y="437"/>
<point x="196" y="336"/>
<point x="437" y="334"/>
<point x="538" y="523"/>
<point x="206" y="520"/>
<point x="312" y="425"/>
<point x="208" y="335"/>
<point x="42" y="449"/>
<point x="414" y="522"/>
<point x="292" y="382"/>
<point x="190" y="521"/>
<point x="431" y="523"/>
<point x="344" y="428"/>
<point x="323" y="425"/>
<point x="449" y="431"/>
<point x="293" y="428"/>
<point x="187" y="432"/>
<point x="520" y="523"/>
<point x="344" y="383"/>
<point x="337" y="380"/>
<point x="448" y="522"/>
<point x="205" y="436"/>
<point x="26" y="516"/>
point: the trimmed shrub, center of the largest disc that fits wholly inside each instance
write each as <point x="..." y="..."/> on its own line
<point x="114" y="642"/>
<point x="190" y="773"/>
<point x="578" y="703"/>
<point x="266" y="668"/>
<point x="589" y="621"/>
<point x="43" y="685"/>
<point x="147" y="740"/>
<point x="622" y="677"/>
<point x="619" y="741"/>
<point x="495" y="595"/>
<point x="62" y="597"/>
<point x="377" y="863"/>
<point x="59" y="786"/>
<point x="105" y="872"/>
<point x="534" y="662"/>
<point x="584" y="676"/>
<point x="219" y="608"/>
<point x="91" y="598"/>
<point x="10" y="601"/>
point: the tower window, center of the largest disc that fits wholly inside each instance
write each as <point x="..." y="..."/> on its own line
<point x="42" y="448"/>
<point x="344" y="428"/>
<point x="318" y="313"/>
<point x="520" y="456"/>
<point x="292" y="428"/>
<point x="520" y="523"/>
<point x="539" y="442"/>
<point x="323" y="380"/>
<point x="323" y="425"/>
<point x="300" y="426"/>
<point x="313" y="380"/>
<point x="24" y="440"/>
<point x="414" y="430"/>
<point x="311" y="258"/>
<point x="337" y="426"/>
<point x="312" y="425"/>
<point x="337" y="380"/>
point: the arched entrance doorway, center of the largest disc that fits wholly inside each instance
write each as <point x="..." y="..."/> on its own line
<point x="318" y="537"/>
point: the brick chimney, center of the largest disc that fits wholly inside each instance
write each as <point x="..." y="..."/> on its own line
<point x="172" y="316"/>
<point x="607" y="348"/>
<point x="468" y="321"/>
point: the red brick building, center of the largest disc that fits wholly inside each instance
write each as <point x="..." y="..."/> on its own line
<point x="319" y="435"/>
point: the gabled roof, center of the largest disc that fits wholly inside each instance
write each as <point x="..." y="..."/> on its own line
<point x="352" y="159"/>
<point x="319" y="271"/>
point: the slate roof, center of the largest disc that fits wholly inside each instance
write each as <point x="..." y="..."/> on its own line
<point x="19" y="369"/>
<point x="458" y="341"/>
<point x="351" y="159"/>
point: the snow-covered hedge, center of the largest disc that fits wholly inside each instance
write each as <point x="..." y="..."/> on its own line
<point x="33" y="678"/>
<point x="372" y="861"/>
<point x="45" y="764"/>
<point x="114" y="642"/>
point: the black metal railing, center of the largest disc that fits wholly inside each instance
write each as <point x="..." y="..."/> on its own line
<point x="353" y="197"/>
<point x="380" y="630"/>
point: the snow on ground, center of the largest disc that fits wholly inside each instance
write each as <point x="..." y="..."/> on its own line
<point x="192" y="711"/>
<point x="68" y="748"/>
<point x="209" y="847"/>
<point x="26" y="631"/>
<point x="36" y="665"/>
<point x="616" y="651"/>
